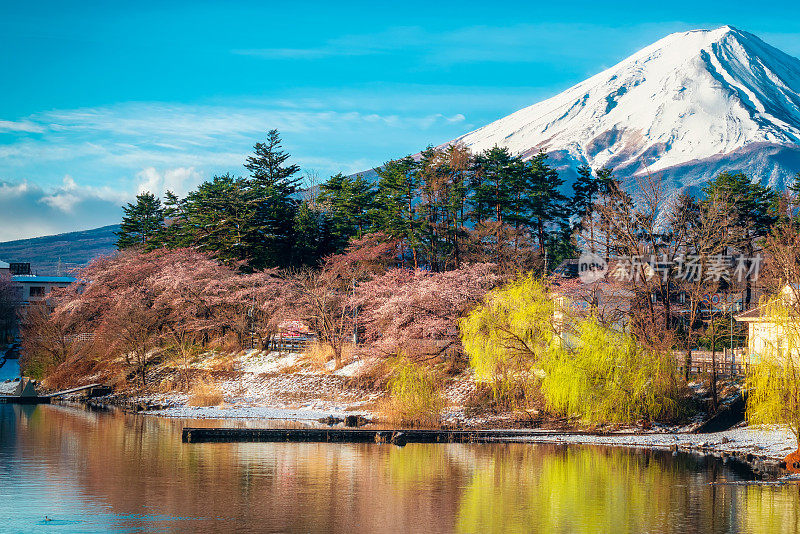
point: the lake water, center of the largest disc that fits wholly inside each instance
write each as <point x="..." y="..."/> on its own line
<point x="101" y="472"/>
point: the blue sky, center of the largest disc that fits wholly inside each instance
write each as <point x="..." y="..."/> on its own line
<point x="101" y="100"/>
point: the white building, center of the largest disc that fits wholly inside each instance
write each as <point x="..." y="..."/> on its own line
<point x="768" y="334"/>
<point x="36" y="288"/>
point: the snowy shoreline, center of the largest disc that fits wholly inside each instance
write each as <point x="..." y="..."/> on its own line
<point x="285" y="387"/>
<point x="769" y="443"/>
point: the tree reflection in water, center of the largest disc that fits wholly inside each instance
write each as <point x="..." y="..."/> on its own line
<point x="136" y="471"/>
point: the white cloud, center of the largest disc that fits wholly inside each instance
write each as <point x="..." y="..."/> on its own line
<point x="9" y="191"/>
<point x="69" y="194"/>
<point x="62" y="201"/>
<point x="176" y="125"/>
<point x="120" y="150"/>
<point x="180" y="180"/>
<point x="28" y="210"/>
<point x="183" y="143"/>
<point x="20" y="126"/>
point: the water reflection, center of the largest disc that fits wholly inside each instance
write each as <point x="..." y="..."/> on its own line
<point x="96" y="472"/>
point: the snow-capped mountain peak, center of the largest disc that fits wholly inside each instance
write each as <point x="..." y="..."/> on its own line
<point x="687" y="107"/>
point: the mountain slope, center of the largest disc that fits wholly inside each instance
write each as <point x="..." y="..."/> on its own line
<point x="70" y="250"/>
<point x="686" y="107"/>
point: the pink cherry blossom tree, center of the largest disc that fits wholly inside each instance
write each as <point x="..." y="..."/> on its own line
<point x="416" y="312"/>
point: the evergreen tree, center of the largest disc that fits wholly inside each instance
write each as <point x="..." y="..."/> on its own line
<point x="350" y="203"/>
<point x="754" y="210"/>
<point x="217" y="217"/>
<point x="271" y="189"/>
<point x="174" y="234"/>
<point x="361" y="205"/>
<point x="543" y="206"/>
<point x="313" y="239"/>
<point x="495" y="182"/>
<point x="442" y="176"/>
<point x="754" y="206"/>
<point x="142" y="223"/>
<point x="397" y="200"/>
<point x="794" y="187"/>
<point x="458" y="163"/>
<point x="588" y="187"/>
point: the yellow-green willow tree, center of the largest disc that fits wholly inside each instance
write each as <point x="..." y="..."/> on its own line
<point x="509" y="336"/>
<point x="521" y="339"/>
<point x="773" y="380"/>
<point x="607" y="377"/>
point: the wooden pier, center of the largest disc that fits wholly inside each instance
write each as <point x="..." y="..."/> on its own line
<point x="26" y="393"/>
<point x="341" y="435"/>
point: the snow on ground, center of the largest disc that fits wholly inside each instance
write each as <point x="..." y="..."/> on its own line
<point x="763" y="441"/>
<point x="274" y="386"/>
<point x="351" y="369"/>
<point x="9" y="370"/>
<point x="288" y="387"/>
<point x="273" y="362"/>
<point x="236" y="411"/>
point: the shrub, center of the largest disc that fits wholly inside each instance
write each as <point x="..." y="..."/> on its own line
<point x="35" y="367"/>
<point x="205" y="394"/>
<point x="318" y="354"/>
<point x="773" y="387"/>
<point x="414" y="394"/>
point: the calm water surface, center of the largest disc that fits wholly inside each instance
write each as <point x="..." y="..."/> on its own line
<point x="100" y="472"/>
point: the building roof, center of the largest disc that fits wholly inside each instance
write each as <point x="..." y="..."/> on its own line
<point x="756" y="314"/>
<point x="759" y="312"/>
<point x="4" y="265"/>
<point x="750" y="315"/>
<point x="44" y="279"/>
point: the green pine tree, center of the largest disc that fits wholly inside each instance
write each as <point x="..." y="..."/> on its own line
<point x="543" y="207"/>
<point x="397" y="200"/>
<point x="272" y="190"/>
<point x="495" y="182"/>
<point x="174" y="234"/>
<point x="142" y="223"/>
<point x="217" y="217"/>
<point x="312" y="231"/>
<point x="754" y="208"/>
<point x="350" y="203"/>
<point x="442" y="177"/>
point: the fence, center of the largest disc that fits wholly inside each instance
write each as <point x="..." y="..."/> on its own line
<point x="86" y="336"/>
<point x="284" y="344"/>
<point x="289" y="344"/>
<point x="728" y="362"/>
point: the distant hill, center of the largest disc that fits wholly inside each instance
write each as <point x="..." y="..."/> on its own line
<point x="73" y="249"/>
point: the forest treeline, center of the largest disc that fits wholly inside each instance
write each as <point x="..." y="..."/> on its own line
<point x="440" y="264"/>
<point x="443" y="209"/>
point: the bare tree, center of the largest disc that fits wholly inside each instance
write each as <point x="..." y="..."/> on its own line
<point x="638" y="232"/>
<point x="704" y="241"/>
<point x="324" y="298"/>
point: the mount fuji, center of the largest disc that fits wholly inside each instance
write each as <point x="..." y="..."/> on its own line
<point x="685" y="108"/>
